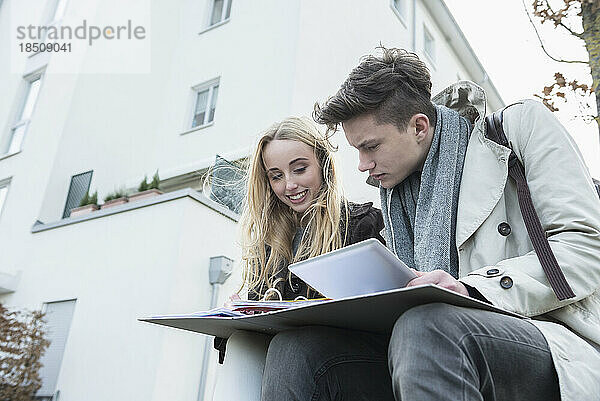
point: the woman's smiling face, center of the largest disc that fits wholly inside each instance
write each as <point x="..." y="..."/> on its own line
<point x="293" y="172"/>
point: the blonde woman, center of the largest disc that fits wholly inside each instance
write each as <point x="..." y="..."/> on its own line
<point x="295" y="210"/>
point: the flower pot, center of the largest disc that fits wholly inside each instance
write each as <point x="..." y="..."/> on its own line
<point x="114" y="202"/>
<point x="81" y="210"/>
<point x="144" y="194"/>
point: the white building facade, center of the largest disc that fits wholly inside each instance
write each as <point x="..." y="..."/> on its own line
<point x="206" y="79"/>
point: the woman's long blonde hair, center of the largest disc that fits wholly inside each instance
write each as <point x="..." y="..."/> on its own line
<point x="268" y="221"/>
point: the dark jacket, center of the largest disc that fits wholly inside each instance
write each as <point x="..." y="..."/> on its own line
<point x="364" y="222"/>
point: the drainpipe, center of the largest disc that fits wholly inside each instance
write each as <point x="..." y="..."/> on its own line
<point x="219" y="270"/>
<point x="484" y="79"/>
<point x="414" y="26"/>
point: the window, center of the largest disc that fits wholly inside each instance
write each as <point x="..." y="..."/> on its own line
<point x="399" y="7"/>
<point x="59" y="10"/>
<point x="3" y="191"/>
<point x="219" y="11"/>
<point x="58" y="322"/>
<point x="18" y="129"/>
<point x="428" y="44"/>
<point x="205" y="103"/>
<point x="80" y="185"/>
<point x="56" y="11"/>
<point x="54" y="15"/>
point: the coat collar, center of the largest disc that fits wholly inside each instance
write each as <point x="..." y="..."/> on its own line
<point x="486" y="163"/>
<point x="464" y="97"/>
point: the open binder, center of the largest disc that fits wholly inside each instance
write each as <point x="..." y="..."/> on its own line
<point x="376" y="312"/>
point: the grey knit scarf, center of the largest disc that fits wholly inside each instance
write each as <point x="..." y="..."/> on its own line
<point x="420" y="212"/>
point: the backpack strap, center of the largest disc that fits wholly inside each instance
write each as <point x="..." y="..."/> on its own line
<point x="516" y="171"/>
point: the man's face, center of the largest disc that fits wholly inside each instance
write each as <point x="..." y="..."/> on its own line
<point x="386" y="152"/>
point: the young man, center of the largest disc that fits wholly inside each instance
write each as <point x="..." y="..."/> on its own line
<point x="452" y="213"/>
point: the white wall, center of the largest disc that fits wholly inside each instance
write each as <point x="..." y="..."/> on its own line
<point x="139" y="263"/>
<point x="127" y="125"/>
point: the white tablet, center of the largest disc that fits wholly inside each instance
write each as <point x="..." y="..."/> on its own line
<point x="362" y="268"/>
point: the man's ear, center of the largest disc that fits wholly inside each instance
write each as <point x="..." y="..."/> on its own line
<point x="420" y="122"/>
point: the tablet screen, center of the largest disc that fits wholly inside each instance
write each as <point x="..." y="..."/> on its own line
<point x="362" y="268"/>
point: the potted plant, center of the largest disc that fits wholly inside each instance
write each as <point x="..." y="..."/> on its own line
<point x="146" y="190"/>
<point x="88" y="204"/>
<point x="114" y="199"/>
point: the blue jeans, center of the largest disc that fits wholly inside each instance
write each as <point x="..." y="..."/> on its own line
<point x="436" y="352"/>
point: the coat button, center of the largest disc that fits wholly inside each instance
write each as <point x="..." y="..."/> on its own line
<point x="506" y="282"/>
<point x="491" y="272"/>
<point x="504" y="229"/>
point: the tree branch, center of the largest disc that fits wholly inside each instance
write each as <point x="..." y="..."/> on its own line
<point x="578" y="35"/>
<point x="558" y="20"/>
<point x="542" y="43"/>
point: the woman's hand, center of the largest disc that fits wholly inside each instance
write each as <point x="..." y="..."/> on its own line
<point x="441" y="278"/>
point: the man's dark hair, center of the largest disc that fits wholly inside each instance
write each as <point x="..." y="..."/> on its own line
<point x="394" y="87"/>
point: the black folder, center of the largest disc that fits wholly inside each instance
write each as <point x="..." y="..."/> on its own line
<point x="375" y="312"/>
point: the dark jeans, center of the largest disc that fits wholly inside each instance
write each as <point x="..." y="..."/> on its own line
<point x="436" y="352"/>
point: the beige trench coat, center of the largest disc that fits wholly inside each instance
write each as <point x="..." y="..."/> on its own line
<point x="569" y="210"/>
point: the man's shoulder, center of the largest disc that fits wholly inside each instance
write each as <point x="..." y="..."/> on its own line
<point x="523" y="119"/>
<point x="522" y="108"/>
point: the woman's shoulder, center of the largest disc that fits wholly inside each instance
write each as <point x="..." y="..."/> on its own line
<point x="361" y="209"/>
<point x="358" y="211"/>
<point x="364" y="222"/>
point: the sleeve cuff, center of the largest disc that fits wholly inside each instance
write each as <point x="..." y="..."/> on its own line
<point x="474" y="293"/>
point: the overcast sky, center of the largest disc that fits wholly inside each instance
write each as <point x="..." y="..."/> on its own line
<point x="505" y="43"/>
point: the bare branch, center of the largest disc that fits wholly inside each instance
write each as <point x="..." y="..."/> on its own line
<point x="22" y="344"/>
<point x="547" y="102"/>
<point x="542" y="43"/>
<point x="548" y="14"/>
<point x="572" y="32"/>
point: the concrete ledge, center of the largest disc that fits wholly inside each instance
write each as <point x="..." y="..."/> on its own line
<point x="211" y="27"/>
<point x="9" y="282"/>
<point x="169" y="196"/>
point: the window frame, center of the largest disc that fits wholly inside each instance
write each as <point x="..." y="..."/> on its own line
<point x="209" y="10"/>
<point x="431" y="52"/>
<point x="210" y="85"/>
<point x="401" y="14"/>
<point x="51" y="20"/>
<point x="89" y="175"/>
<point x="44" y="308"/>
<point x="4" y="184"/>
<point x="19" y="120"/>
<point x="222" y="19"/>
